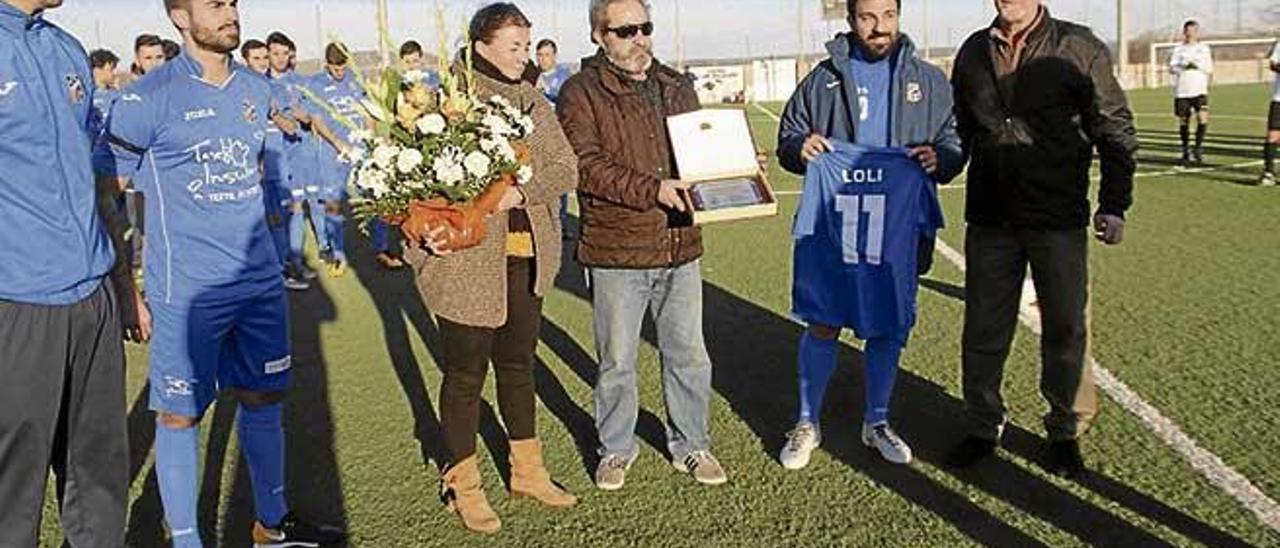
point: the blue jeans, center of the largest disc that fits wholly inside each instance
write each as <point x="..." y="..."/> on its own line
<point x="673" y="297"/>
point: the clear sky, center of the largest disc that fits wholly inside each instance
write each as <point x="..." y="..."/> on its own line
<point x="710" y="28"/>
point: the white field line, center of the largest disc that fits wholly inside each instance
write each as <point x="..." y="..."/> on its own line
<point x="1211" y="466"/>
<point x="1212" y="115"/>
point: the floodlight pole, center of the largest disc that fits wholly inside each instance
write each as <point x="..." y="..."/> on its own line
<point x="926" y="30"/>
<point x="383" y="51"/>
<point x="1122" y="40"/>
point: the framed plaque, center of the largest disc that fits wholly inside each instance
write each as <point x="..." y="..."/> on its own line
<point x="715" y="151"/>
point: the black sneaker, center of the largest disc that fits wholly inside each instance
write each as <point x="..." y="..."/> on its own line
<point x="970" y="451"/>
<point x="1063" y="459"/>
<point x="1197" y="156"/>
<point x="295" y="533"/>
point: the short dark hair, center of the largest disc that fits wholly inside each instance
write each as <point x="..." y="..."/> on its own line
<point x="1190" y="23"/>
<point x="101" y="58"/>
<point x="853" y="5"/>
<point x="171" y="49"/>
<point x="409" y="48"/>
<point x="336" y="54"/>
<point x="175" y="4"/>
<point x="547" y="43"/>
<point x="494" y="17"/>
<point x="146" y="41"/>
<point x="249" y="46"/>
<point x="278" y="38"/>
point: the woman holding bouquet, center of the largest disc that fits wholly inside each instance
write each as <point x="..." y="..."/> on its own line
<point x="487" y="299"/>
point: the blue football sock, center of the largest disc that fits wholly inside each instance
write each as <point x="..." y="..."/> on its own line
<point x="297" y="236"/>
<point x="882" y="355"/>
<point x="337" y="241"/>
<point x="378" y="233"/>
<point x="177" y="463"/>
<point x="817" y="363"/>
<point x="262" y="442"/>
<point x="318" y="225"/>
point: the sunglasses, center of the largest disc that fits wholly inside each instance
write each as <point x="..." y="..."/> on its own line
<point x="629" y="31"/>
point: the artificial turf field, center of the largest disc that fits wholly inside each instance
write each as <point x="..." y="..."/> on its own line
<point x="1185" y="313"/>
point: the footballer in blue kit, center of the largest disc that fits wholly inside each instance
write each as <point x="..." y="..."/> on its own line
<point x="275" y="167"/>
<point x="341" y="94"/>
<point x="192" y="135"/>
<point x="872" y="130"/>
<point x="301" y="155"/>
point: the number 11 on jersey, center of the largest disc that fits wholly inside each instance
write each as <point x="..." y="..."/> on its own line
<point x="851" y="208"/>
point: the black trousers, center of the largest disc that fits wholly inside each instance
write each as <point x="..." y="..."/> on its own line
<point x="62" y="407"/>
<point x="468" y="350"/>
<point x="997" y="260"/>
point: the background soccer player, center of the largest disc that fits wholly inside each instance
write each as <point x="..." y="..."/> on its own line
<point x="301" y="154"/>
<point x="275" y="170"/>
<point x="148" y="53"/>
<point x="198" y="124"/>
<point x="1273" y="123"/>
<point x="1192" y="67"/>
<point x="105" y="86"/>
<point x="343" y="95"/>
<point x="882" y="61"/>
<point x="552" y="78"/>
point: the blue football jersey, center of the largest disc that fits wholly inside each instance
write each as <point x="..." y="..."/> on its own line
<point x="343" y="98"/>
<point x="857" y="231"/>
<point x="301" y="152"/>
<point x="194" y="149"/>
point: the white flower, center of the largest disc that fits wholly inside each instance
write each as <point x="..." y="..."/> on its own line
<point x="431" y="124"/>
<point x="524" y="175"/>
<point x="526" y="123"/>
<point x="500" y="101"/>
<point x="478" y="164"/>
<point x="497" y="126"/>
<point x="409" y="160"/>
<point x="359" y="136"/>
<point x="353" y="155"/>
<point x="385" y="156"/>
<point x="373" y="180"/>
<point x="448" y="170"/>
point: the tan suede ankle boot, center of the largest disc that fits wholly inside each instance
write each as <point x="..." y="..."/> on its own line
<point x="529" y="477"/>
<point x="465" y="495"/>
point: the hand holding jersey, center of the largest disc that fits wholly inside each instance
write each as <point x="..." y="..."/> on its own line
<point x="866" y="210"/>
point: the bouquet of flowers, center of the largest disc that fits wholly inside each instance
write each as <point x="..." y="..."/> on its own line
<point x="432" y="159"/>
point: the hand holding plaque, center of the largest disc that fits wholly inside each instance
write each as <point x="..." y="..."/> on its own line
<point x="715" y="153"/>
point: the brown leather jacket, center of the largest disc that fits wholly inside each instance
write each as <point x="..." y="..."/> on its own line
<point x="620" y="136"/>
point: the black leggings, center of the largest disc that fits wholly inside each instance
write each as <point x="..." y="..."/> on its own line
<point x="467" y="353"/>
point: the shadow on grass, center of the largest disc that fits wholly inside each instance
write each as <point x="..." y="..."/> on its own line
<point x="1001" y="479"/>
<point x="753" y="351"/>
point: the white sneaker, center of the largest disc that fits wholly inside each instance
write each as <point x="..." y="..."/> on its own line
<point x="1268" y="179"/>
<point x="887" y="442"/>
<point x="801" y="441"/>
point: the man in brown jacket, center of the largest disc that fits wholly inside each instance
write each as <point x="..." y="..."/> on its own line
<point x="637" y="240"/>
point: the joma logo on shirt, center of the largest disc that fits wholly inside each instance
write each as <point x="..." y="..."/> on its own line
<point x="863" y="176"/>
<point x="199" y="114"/>
<point x="7" y="88"/>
